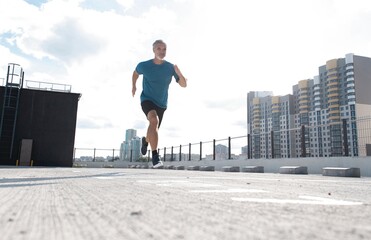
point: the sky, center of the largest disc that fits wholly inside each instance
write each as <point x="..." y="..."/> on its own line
<point x="224" y="48"/>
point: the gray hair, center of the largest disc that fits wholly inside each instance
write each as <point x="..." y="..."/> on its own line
<point x="159" y="41"/>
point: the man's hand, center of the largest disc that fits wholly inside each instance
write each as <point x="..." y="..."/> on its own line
<point x="182" y="80"/>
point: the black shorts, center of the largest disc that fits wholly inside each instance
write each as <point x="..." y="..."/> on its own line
<point x="149" y="105"/>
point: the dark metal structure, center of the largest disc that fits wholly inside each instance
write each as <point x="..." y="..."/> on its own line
<point x="37" y="122"/>
<point x="9" y="110"/>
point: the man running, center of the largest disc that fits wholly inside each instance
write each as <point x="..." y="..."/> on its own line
<point x="157" y="75"/>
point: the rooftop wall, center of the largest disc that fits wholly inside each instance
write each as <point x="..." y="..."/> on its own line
<point x="49" y="119"/>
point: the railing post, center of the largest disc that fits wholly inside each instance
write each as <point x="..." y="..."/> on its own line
<point x="345" y="138"/>
<point x="164" y="154"/>
<point x="131" y="155"/>
<point x="200" y="151"/>
<point x="248" y="146"/>
<point x="303" y="150"/>
<point x="180" y="152"/>
<point x="189" y="153"/>
<point x="272" y="144"/>
<point x="229" y="148"/>
<point x="94" y="155"/>
<point x="113" y="155"/>
<point x="74" y="155"/>
<point x="213" y="149"/>
<point x="172" y="153"/>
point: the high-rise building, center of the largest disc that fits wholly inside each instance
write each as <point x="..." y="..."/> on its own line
<point x="136" y="144"/>
<point x="221" y="152"/>
<point x="321" y="114"/>
<point x="130" y="148"/>
<point x="269" y="118"/>
<point x="130" y="134"/>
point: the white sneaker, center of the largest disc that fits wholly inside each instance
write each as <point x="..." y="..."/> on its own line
<point x="158" y="164"/>
<point x="156" y="161"/>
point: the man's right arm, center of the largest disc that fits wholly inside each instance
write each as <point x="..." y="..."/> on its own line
<point x="134" y="82"/>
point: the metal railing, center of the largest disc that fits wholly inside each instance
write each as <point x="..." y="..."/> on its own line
<point x="57" y="87"/>
<point x="216" y="149"/>
<point x="349" y="138"/>
<point x="209" y="150"/>
<point x="95" y="155"/>
<point x="48" y="86"/>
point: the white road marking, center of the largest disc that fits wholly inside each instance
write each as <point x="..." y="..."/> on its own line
<point x="163" y="181"/>
<point x="310" y="200"/>
<point x="303" y="200"/>
<point x="175" y="183"/>
<point x="190" y="184"/>
<point x="104" y="177"/>
<point x="232" y="190"/>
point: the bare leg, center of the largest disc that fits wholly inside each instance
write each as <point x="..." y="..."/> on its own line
<point x="152" y="131"/>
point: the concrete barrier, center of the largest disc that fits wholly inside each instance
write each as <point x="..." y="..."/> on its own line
<point x="231" y="169"/>
<point x="253" y="169"/>
<point x="341" y="172"/>
<point x="193" y="168"/>
<point x="293" y="170"/>
<point x="207" y="168"/>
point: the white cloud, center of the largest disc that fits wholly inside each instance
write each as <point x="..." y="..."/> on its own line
<point x="94" y="123"/>
<point x="226" y="104"/>
<point x="70" y="43"/>
<point x="126" y="4"/>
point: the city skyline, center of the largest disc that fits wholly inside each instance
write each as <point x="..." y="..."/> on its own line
<point x="323" y="117"/>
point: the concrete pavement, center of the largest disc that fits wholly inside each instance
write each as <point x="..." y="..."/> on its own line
<point x="103" y="203"/>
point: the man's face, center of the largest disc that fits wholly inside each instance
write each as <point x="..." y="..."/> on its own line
<point x="160" y="51"/>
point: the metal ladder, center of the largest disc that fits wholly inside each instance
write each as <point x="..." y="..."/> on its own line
<point x="9" y="110"/>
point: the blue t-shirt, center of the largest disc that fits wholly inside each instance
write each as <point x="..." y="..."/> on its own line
<point x="156" y="81"/>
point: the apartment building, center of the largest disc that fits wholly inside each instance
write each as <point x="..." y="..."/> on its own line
<point x="270" y="119"/>
<point x="319" y="117"/>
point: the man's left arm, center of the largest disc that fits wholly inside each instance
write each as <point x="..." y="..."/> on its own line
<point x="182" y="80"/>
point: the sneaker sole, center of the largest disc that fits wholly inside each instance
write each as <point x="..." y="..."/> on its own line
<point x="160" y="164"/>
<point x="144" y="146"/>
